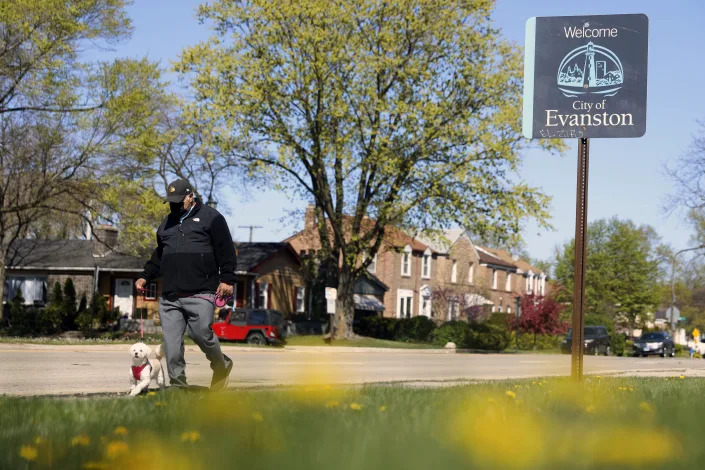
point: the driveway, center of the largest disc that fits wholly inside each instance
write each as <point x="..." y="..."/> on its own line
<point x="67" y="370"/>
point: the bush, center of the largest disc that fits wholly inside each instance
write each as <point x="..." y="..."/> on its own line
<point x="492" y="334"/>
<point x="453" y="332"/>
<point x="529" y="342"/>
<point x="48" y="320"/>
<point x="378" y="327"/>
<point x="618" y="344"/>
<point x="416" y="329"/>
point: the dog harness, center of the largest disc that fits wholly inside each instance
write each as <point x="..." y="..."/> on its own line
<point x="137" y="370"/>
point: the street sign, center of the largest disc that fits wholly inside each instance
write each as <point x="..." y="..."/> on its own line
<point x="673" y="314"/>
<point x="585" y="76"/>
<point x="331" y="296"/>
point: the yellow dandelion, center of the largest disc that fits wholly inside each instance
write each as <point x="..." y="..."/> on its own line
<point x="151" y="394"/>
<point x="590" y="409"/>
<point x="533" y="383"/>
<point x="160" y="403"/>
<point x="190" y="436"/>
<point x="115" y="449"/>
<point x="28" y="453"/>
<point x="682" y="376"/>
<point x="517" y="386"/>
<point x="332" y="404"/>
<point x="81" y="440"/>
<point x="510" y="394"/>
<point x="39" y="440"/>
<point x="631" y="389"/>
<point x="382" y="408"/>
<point x="257" y="417"/>
<point x="598" y="377"/>
<point x="646" y="407"/>
<point x="120" y="431"/>
<point x="356" y="406"/>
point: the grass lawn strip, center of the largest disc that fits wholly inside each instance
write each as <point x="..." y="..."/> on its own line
<point x="527" y="424"/>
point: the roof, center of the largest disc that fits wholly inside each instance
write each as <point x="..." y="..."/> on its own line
<point x="443" y="242"/>
<point x="77" y="254"/>
<point x="487" y="257"/>
<point x="519" y="262"/>
<point x="251" y="255"/>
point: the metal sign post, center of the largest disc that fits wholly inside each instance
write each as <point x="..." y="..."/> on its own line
<point x="581" y="207"/>
<point x="584" y="77"/>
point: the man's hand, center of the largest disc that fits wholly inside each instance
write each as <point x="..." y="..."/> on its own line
<point x="224" y="290"/>
<point x="140" y="283"/>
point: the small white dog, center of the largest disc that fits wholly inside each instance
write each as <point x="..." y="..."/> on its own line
<point x="146" y="366"/>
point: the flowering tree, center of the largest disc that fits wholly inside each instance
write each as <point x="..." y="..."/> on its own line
<point x="540" y="315"/>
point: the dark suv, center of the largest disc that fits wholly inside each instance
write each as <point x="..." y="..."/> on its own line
<point x="658" y="342"/>
<point x="597" y="341"/>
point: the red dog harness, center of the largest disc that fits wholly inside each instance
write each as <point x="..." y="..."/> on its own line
<point x="137" y="370"/>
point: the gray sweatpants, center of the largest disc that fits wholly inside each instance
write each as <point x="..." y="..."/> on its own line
<point x="195" y="316"/>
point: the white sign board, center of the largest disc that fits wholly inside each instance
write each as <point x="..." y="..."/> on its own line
<point x="331" y="296"/>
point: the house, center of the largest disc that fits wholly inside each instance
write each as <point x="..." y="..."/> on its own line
<point x="269" y="275"/>
<point x="445" y="276"/>
<point x="93" y="264"/>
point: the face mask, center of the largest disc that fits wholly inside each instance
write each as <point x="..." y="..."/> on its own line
<point x="177" y="208"/>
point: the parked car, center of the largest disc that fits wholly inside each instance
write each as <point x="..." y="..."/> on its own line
<point x="597" y="341"/>
<point x="657" y="342"/>
<point x="255" y="326"/>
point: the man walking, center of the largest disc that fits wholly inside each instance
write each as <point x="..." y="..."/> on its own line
<point x="196" y="261"/>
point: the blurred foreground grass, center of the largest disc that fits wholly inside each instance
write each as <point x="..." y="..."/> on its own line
<point x="532" y="424"/>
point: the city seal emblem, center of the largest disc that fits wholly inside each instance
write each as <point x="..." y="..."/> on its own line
<point x="590" y="69"/>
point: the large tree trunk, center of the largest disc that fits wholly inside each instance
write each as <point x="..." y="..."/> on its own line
<point x="2" y="285"/>
<point x="344" y="306"/>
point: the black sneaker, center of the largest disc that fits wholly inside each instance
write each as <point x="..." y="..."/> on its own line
<point x="221" y="376"/>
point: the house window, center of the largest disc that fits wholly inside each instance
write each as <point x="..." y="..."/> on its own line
<point x="509" y="309"/>
<point x="529" y="282"/>
<point x="150" y="293"/>
<point x="32" y="288"/>
<point x="426" y="269"/>
<point x="508" y="283"/>
<point x="499" y="309"/>
<point x="300" y="296"/>
<point x="405" y="297"/>
<point x="471" y="273"/>
<point x="454" y="272"/>
<point x="406" y="261"/>
<point x="263" y="297"/>
<point x="453" y="308"/>
<point x="372" y="267"/>
<point x="494" y="279"/>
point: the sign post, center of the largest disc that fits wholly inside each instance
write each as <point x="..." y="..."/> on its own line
<point x="584" y="77"/>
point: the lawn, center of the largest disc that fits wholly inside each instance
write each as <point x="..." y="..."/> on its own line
<point x="362" y="342"/>
<point x="531" y="424"/>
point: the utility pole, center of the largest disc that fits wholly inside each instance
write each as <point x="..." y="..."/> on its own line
<point x="251" y="227"/>
<point x="673" y="285"/>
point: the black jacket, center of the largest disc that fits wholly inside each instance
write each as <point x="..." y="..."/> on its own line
<point x="193" y="256"/>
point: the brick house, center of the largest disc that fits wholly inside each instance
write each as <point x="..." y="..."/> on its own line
<point x="34" y="266"/>
<point x="441" y="276"/>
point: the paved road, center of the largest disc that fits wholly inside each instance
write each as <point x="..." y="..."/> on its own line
<point x="49" y="370"/>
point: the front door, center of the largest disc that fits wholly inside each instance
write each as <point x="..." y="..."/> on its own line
<point x="123" y="296"/>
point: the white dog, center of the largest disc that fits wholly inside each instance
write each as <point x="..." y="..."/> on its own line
<point x="146" y="366"/>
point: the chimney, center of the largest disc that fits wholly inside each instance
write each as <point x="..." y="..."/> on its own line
<point x="104" y="239"/>
<point x="309" y="218"/>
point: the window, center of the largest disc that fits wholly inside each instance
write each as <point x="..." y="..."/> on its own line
<point x="150" y="292"/>
<point x="454" y="272"/>
<point x="453" y="308"/>
<point x="499" y="309"/>
<point x="263" y="296"/>
<point x="509" y="309"/>
<point x="426" y="268"/>
<point x="471" y="273"/>
<point x="300" y="296"/>
<point x="238" y="317"/>
<point x="494" y="279"/>
<point x="405" y="298"/>
<point x="257" y="317"/>
<point x="529" y="282"/>
<point x="372" y="267"/>
<point x="406" y="261"/>
<point x="32" y="288"/>
<point x="508" y="283"/>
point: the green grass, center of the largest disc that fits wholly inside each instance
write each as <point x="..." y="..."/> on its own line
<point x="553" y="424"/>
<point x="362" y="342"/>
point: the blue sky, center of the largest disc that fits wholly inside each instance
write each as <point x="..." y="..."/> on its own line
<point x="627" y="177"/>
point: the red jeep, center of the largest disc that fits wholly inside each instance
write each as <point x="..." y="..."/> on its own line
<point x="256" y="326"/>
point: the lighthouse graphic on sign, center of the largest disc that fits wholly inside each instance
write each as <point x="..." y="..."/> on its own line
<point x="590" y="69"/>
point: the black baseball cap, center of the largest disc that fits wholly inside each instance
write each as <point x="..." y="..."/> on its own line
<point x="177" y="191"/>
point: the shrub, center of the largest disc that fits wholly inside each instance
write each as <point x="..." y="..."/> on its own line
<point x="452" y="331"/>
<point x="22" y="319"/>
<point x="416" y="329"/>
<point x="492" y="334"/>
<point x="48" y="320"/>
<point x="618" y="343"/>
<point x="378" y="327"/>
<point x="68" y="306"/>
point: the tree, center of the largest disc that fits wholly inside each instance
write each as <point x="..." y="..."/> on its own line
<point x="688" y="175"/>
<point x="623" y="271"/>
<point x="539" y="316"/>
<point x="68" y="306"/>
<point x="58" y="114"/>
<point x="397" y="113"/>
